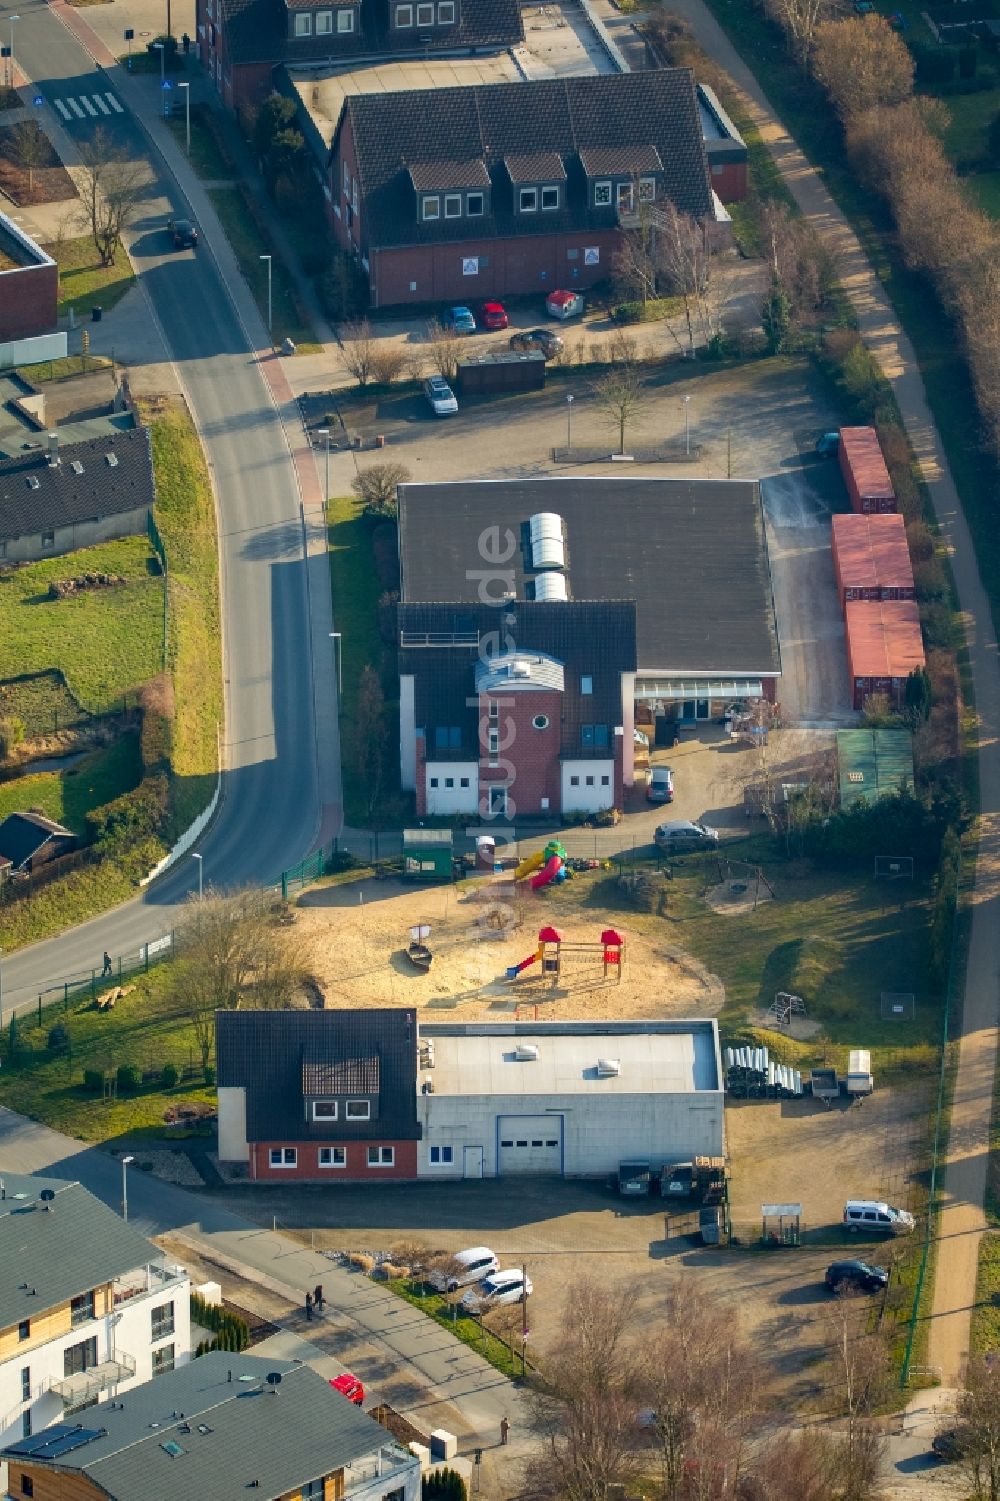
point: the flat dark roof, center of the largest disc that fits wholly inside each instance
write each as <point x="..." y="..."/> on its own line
<point x="692" y="553"/>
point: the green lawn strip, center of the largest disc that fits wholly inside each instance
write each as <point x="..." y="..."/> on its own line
<point x="105" y="641"/>
<point x="68" y="796"/>
<point x="986" y="1311"/>
<point x="147" y="1029"/>
<point x="206" y="158"/>
<point x="73" y="364"/>
<point x="355" y="612"/>
<point x="84" y="283"/>
<point x="248" y="246"/>
<point x="185" y="515"/>
<point x="467" y="1329"/>
<point x="74" y="898"/>
<point x="946" y="380"/>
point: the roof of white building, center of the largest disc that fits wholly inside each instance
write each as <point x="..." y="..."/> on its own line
<point x="564" y="1058"/>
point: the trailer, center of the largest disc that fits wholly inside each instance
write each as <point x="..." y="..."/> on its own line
<point x="825" y="1085"/>
<point x="634" y="1179"/>
<point x="859" y="1080"/>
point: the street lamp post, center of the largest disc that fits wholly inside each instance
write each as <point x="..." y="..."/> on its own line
<point x="324" y="432"/>
<point x="687" y="426"/>
<point x="569" y="424"/>
<point x="125" y="1163"/>
<point x="268" y="259"/>
<point x="336" y="638"/>
<point x="12" y="19"/>
<point x="201" y="886"/>
<point x="187" y="115"/>
<point x="161" y="49"/>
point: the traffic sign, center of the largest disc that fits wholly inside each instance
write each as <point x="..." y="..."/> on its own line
<point x="166" y="84"/>
<point x="38" y="99"/>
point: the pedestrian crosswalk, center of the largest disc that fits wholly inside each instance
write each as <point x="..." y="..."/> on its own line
<point x="88" y="107"/>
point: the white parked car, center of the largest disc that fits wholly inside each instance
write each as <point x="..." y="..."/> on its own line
<point x="465" y="1267"/>
<point x="502" y="1287"/>
<point x="440" y="396"/>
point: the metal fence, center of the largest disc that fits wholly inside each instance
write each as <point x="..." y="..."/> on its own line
<point x="93" y="983"/>
<point x="160" y="548"/>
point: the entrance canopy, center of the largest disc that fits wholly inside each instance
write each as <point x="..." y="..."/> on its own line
<point x="678" y="689"/>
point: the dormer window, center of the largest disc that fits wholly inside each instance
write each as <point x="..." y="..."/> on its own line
<point x="446" y="12"/>
<point x="602" y="195"/>
<point x="527" y="200"/>
<point x="324" y="1110"/>
<point x="425" y="15"/>
<point x="453" y="205"/>
<point x="345" y="21"/>
<point x="550" y="198"/>
<point x="474" y="205"/>
<point x="404" y="16"/>
<point x="324" y="22"/>
<point x="303" y="24"/>
<point x="430" y="207"/>
<point x="625" y="198"/>
<point x="647" y="189"/>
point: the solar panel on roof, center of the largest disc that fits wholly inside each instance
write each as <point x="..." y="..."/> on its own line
<point x="27" y="1446"/>
<point x="69" y="1442"/>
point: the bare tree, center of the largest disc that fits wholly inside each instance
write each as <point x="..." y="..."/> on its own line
<point x="357" y="349"/>
<point x="862" y="63"/>
<point x="799" y="1466"/>
<point x="31" y="149"/>
<point x="446" y="349"/>
<point x="979" y="1432"/>
<point x="110" y="188"/>
<point x="798" y="19"/>
<point x="376" y="486"/>
<point x="620" y="393"/>
<point x="388" y="363"/>
<point x="860" y="1375"/>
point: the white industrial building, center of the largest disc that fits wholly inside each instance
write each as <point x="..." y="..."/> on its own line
<point x="569" y="1098"/>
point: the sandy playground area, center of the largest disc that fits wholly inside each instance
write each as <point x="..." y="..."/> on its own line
<point x="358" y="933"/>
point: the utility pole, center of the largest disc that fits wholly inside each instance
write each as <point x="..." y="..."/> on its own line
<point x="524" y="1320"/>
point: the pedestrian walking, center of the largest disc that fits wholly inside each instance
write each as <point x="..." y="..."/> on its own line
<point x="318" y="1297"/>
<point x="309" y="1305"/>
<point x="107" y="964"/>
<point x="504" y="1429"/>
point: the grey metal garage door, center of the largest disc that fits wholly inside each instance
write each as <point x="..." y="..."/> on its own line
<point x="530" y="1144"/>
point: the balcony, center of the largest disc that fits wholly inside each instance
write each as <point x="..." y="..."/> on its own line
<point x="365" y="1473"/>
<point x="87" y="1386"/>
<point x="145" y="1279"/>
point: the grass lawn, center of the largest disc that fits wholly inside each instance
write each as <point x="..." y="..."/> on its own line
<point x="248" y="246"/>
<point x="965" y="137"/>
<point x="68" y="796"/>
<point x="105" y="641"/>
<point x="147" y="1029"/>
<point x="206" y="158"/>
<point x="185" y="514"/>
<point x="74" y="898"/>
<point x="84" y="283"/>
<point x="73" y="364"/>
<point x="986" y="1313"/>
<point x="467" y="1329"/>
<point x="984" y="188"/>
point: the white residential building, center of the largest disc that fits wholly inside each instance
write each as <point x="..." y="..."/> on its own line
<point x="88" y="1306"/>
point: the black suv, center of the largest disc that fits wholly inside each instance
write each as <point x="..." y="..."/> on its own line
<point x="537" y="338"/>
<point x="856" y="1274"/>
<point x="183" y="233"/>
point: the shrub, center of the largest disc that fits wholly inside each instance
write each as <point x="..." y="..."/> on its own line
<point x="934" y="64"/>
<point x="58" y="1040"/>
<point x="93" y="1081"/>
<point x="360" y="1262"/>
<point x="443" y="1485"/>
<point x="209" y="1072"/>
<point x="131" y="818"/>
<point x="11" y="735"/>
<point x="628" y="312"/>
<point x="128" y="1079"/>
<point x="169" y="1076"/>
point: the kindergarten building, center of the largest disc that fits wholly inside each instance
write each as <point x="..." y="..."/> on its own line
<point x="336" y="1096"/>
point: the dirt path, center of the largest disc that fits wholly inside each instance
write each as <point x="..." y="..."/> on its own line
<point x="962" y="1220"/>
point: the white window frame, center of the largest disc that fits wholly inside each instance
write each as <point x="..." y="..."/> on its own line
<point x="384" y="1156"/>
<point x="647" y="189"/>
<point x="625" y="198"/>
<point x="324" y="22"/>
<point x="333" y="1163"/>
<point x="328" y="1113"/>
<point x="403" y="17"/>
<point x="427" y="6"/>
<point x="345" y="22"/>
<point x="547" y="208"/>
<point x="356" y="1113"/>
<point x="425" y="204"/>
<point x="437" y="1158"/>
<point x="284" y="1153"/>
<point x="500" y="792"/>
<point x="527" y="200"/>
<point x="493" y="744"/>
<point x="453" y="205"/>
<point x="347" y="179"/>
<point x="303" y="23"/>
<point x="446" y="12"/>
<point x="603" y="196"/>
<point x="164" y="1360"/>
<point x="475" y="213"/>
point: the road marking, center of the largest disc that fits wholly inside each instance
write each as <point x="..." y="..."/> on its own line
<point x="60" y="106"/>
<point x="118" y="108"/>
<point x="100" y="104"/>
<point x="78" y="112"/>
<point x="87" y="105"/>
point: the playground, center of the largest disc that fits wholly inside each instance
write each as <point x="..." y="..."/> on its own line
<point x="497" y="952"/>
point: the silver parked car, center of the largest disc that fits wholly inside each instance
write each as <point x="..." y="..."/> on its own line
<point x="681" y="836"/>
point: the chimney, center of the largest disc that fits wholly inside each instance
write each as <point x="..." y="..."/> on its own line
<point x="53" y="450"/>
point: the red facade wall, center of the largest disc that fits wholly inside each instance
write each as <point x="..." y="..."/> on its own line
<point x="28" y="299"/>
<point x="519" y="265"/>
<point x="533" y="754"/>
<point x="729" y="179"/>
<point x="308" y="1170"/>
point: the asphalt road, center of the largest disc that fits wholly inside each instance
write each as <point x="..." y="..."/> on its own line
<point x="270" y="808"/>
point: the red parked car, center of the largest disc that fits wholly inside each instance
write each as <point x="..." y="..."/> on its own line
<point x="493" y="315"/>
<point x="350" y="1387"/>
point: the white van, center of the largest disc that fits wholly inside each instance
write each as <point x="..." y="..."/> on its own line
<point x="876" y="1218"/>
<point x="465" y="1267"/>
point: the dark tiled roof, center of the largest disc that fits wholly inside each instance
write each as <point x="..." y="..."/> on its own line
<point x="691" y="553"/>
<point x="349" y="1076"/>
<point x="22" y="835"/>
<point x="234" y="1437"/>
<point x="568" y="117"/>
<point x="427" y="176"/>
<point x="48" y="1256"/>
<point x="590" y="638"/>
<point x="620" y="161"/>
<point x="65" y="495"/>
<point x="535" y="166"/>
<point x="256" y="33"/>
<point x="265" y="1052"/>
